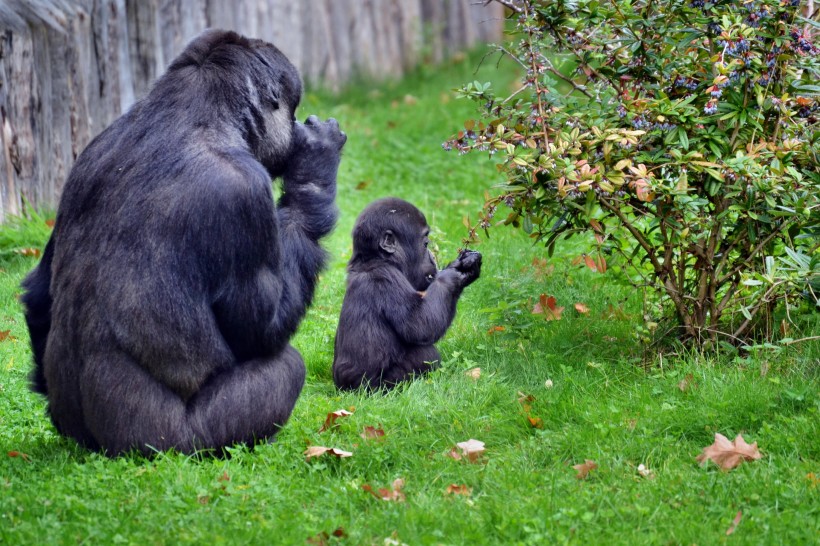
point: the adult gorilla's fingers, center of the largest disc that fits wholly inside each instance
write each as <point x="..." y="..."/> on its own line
<point x="312" y="120"/>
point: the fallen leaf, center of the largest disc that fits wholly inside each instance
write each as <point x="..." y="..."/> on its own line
<point x="471" y="450"/>
<point x="50" y="222"/>
<point x="224" y="477"/>
<point x="372" y="433"/>
<point x="547" y="306"/>
<point x="203" y="499"/>
<point x="645" y="472"/>
<point x="535" y="422"/>
<point x="582" y="308"/>
<point x="727" y="455"/>
<point x="687" y="382"/>
<point x="584" y="469"/>
<point x="393" y="494"/>
<point x="35" y="252"/>
<point x="631" y="424"/>
<point x="454" y="489"/>
<point x="323" y="538"/>
<point x="318" y="451"/>
<point x="363" y="184"/>
<point x="813" y="479"/>
<point x="541" y="268"/>
<point x="495" y="329"/>
<point x="525" y="398"/>
<point x="6" y="335"/>
<point x="20" y="455"/>
<point x="473" y="373"/>
<point x="735" y="523"/>
<point x="330" y="420"/>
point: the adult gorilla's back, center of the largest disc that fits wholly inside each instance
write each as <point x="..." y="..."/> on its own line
<point x="161" y="312"/>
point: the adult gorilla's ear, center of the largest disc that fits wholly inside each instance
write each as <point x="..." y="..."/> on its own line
<point x="388" y="242"/>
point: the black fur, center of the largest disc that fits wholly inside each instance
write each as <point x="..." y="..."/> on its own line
<point x="161" y="311"/>
<point x="397" y="304"/>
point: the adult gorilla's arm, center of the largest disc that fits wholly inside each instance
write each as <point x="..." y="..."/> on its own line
<point x="307" y="212"/>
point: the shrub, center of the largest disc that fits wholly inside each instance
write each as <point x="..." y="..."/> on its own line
<point x="680" y="137"/>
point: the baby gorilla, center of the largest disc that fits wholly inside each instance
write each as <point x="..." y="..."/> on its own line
<point x="397" y="303"/>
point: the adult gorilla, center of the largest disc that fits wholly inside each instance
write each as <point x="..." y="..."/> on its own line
<point x="161" y="311"/>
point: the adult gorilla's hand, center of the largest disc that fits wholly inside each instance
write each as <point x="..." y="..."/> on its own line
<point x="317" y="150"/>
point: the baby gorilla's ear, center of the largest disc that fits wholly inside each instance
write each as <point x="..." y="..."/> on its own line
<point x="388" y="242"/>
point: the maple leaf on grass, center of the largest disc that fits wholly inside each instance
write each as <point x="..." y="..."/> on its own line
<point x="323" y="538"/>
<point x="330" y="420"/>
<point x="393" y="494"/>
<point x="317" y="451"/>
<point x="727" y="455"/>
<point x="471" y="450"/>
<point x="547" y="306"/>
<point x="581" y="308"/>
<point x="584" y="469"/>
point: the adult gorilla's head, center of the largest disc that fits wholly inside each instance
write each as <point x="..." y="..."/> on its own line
<point x="394" y="231"/>
<point x="222" y="77"/>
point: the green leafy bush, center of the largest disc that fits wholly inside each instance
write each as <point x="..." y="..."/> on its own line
<point x="681" y="138"/>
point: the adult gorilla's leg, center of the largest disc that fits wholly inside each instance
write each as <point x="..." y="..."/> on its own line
<point x="417" y="360"/>
<point x="131" y="410"/>
<point x="37" y="303"/>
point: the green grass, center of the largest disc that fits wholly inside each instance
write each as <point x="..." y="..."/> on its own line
<point x="605" y="404"/>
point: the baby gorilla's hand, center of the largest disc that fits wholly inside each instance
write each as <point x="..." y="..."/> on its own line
<point x="468" y="264"/>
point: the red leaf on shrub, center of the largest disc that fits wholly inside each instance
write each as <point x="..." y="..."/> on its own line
<point x="547" y="306"/>
<point x="330" y="420"/>
<point x="727" y="455"/>
<point x="393" y="494"/>
<point x="372" y="433"/>
<point x="600" y="263"/>
<point x="584" y="469"/>
<point x="590" y="263"/>
<point x="582" y="308"/>
<point x="318" y="451"/>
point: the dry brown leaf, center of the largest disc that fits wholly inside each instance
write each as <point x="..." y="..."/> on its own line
<point x="224" y="477"/>
<point x="470" y="450"/>
<point x="372" y="433"/>
<point x="547" y="306"/>
<point x="330" y="420"/>
<point x="645" y="472"/>
<point x="727" y="455"/>
<point x="203" y="499"/>
<point x="581" y="308"/>
<point x="363" y="185"/>
<point x="584" y="469"/>
<point x="6" y="335"/>
<point x="735" y="523"/>
<point x="535" y="422"/>
<point x="525" y="398"/>
<point x="686" y="383"/>
<point x="318" y="451"/>
<point x="541" y="268"/>
<point x="473" y="373"/>
<point x="323" y="538"/>
<point x="20" y="455"/>
<point x="393" y="494"/>
<point x="454" y="489"/>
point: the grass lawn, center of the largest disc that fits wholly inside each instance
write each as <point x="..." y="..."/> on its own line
<point x="608" y="402"/>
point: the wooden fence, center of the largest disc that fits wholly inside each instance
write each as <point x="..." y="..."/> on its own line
<point x="68" y="68"/>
